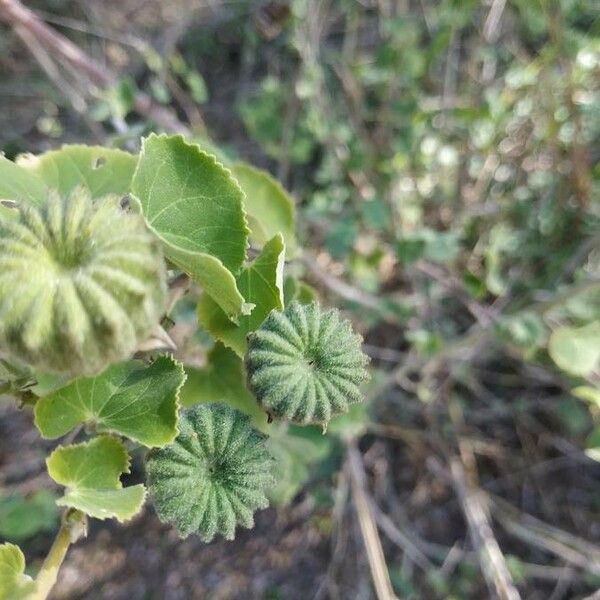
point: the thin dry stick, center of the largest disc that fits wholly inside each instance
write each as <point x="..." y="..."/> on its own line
<point x="399" y="538"/>
<point x="570" y="548"/>
<point x="491" y="29"/>
<point x="345" y="290"/>
<point x="368" y="528"/>
<point x="22" y="19"/>
<point x="491" y="558"/>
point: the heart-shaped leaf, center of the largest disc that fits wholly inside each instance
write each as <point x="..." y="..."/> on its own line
<point x="195" y="207"/>
<point x="127" y="398"/>
<point x="14" y="584"/>
<point x="261" y="283"/>
<point x="101" y="170"/>
<point x="91" y="473"/>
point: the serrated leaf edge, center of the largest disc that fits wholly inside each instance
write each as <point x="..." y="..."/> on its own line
<point x="181" y="138"/>
<point x="125" y="470"/>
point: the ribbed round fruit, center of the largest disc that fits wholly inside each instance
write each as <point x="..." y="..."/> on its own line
<point x="305" y="364"/>
<point x="81" y="283"/>
<point x="213" y="476"/>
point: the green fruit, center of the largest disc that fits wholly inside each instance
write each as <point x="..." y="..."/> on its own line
<point x="213" y="476"/>
<point x="81" y="284"/>
<point x="305" y="364"/>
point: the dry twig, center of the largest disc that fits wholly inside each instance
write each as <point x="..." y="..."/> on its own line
<point x="491" y="558"/>
<point x="27" y="25"/>
<point x="368" y="528"/>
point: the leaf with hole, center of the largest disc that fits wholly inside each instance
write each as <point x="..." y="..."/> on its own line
<point x="102" y="171"/>
<point x="193" y="204"/>
<point x="91" y="472"/>
<point x="127" y="398"/>
<point x="261" y="283"/>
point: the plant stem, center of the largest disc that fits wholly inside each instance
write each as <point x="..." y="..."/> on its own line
<point x="73" y="527"/>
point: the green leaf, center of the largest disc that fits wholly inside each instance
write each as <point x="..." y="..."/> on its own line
<point x="18" y="184"/>
<point x="526" y="330"/>
<point x="14" y="584"/>
<point x="191" y="200"/>
<point x="102" y="170"/>
<point x="270" y="208"/>
<point x="261" y="283"/>
<point x="193" y="204"/>
<point x="222" y="379"/>
<point x="127" y="398"/>
<point x="576" y="350"/>
<point x="294" y="289"/>
<point x="91" y="473"/>
<point x="23" y="517"/>
<point x="294" y="454"/>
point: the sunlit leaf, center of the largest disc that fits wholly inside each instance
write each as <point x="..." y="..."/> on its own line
<point x="14" y="584"/>
<point x="102" y="170"/>
<point x="127" y="398"/>
<point x="19" y="184"/>
<point x="91" y="473"/>
<point x="195" y="207"/>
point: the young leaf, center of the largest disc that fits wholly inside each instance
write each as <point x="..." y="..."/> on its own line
<point x="576" y="350"/>
<point x="213" y="476"/>
<point x="222" y="379"/>
<point x="127" y="398"/>
<point x="18" y="184"/>
<point x="270" y="208"/>
<point x="101" y="170"/>
<point x="261" y="283"/>
<point x="196" y="208"/>
<point x="91" y="473"/>
<point x="14" y="584"/>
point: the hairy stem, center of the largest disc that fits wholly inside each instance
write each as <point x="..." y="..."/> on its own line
<point x="73" y="527"/>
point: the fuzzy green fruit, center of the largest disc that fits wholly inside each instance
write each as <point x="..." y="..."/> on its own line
<point x="305" y="364"/>
<point x="213" y="476"/>
<point x="81" y="284"/>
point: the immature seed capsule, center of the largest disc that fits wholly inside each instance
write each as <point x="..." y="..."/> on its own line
<point x="305" y="364"/>
<point x="81" y="283"/>
<point x="213" y="476"/>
